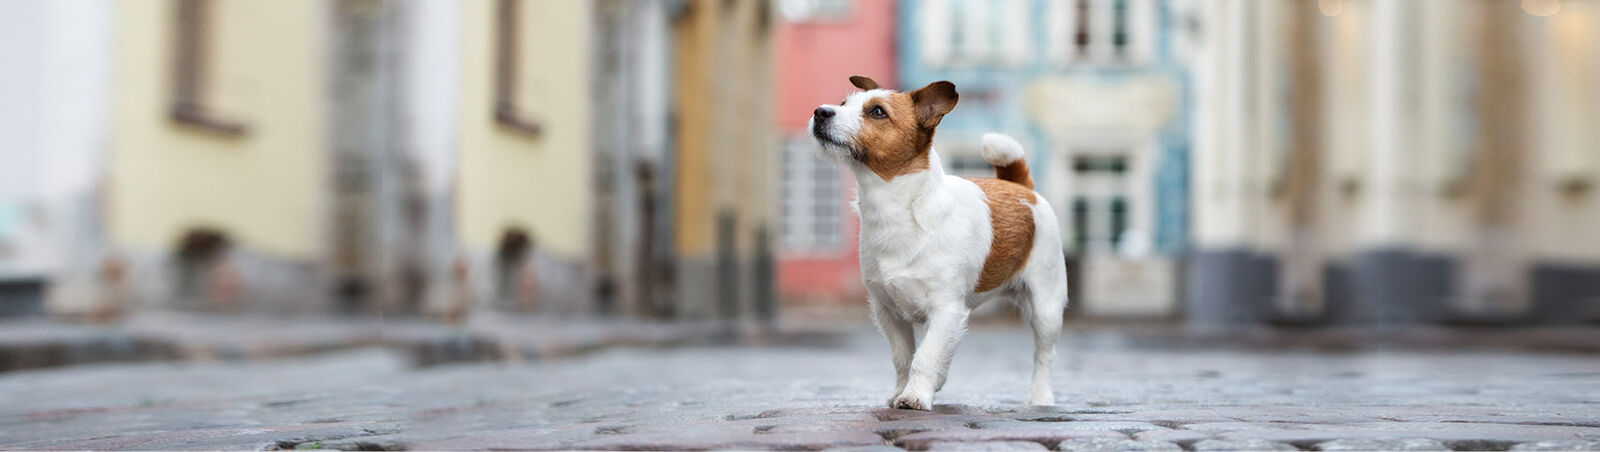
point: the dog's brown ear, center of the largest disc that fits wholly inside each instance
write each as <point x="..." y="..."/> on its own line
<point x="933" y="102"/>
<point x="866" y="84"/>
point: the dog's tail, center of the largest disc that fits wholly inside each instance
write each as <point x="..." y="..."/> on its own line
<point x="1009" y="161"/>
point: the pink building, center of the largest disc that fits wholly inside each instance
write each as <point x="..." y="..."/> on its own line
<point x="821" y="43"/>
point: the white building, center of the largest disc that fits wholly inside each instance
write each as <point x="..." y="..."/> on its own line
<point x="55" y="69"/>
<point x="1396" y="160"/>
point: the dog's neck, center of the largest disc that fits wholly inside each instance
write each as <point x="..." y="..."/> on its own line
<point x="900" y="197"/>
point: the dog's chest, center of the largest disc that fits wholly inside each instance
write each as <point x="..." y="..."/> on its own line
<point x="895" y="263"/>
<point x="915" y="244"/>
<point x="894" y="232"/>
<point x="891" y="249"/>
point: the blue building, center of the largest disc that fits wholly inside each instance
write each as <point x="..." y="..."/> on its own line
<point x="1096" y="90"/>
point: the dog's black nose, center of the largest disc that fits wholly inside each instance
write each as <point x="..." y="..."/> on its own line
<point x="822" y="113"/>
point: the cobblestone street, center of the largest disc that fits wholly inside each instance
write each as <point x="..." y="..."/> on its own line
<point x="1115" y="394"/>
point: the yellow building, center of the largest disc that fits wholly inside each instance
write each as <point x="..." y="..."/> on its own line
<point x="218" y="142"/>
<point x="524" y="188"/>
<point x="726" y="159"/>
<point x="439" y="157"/>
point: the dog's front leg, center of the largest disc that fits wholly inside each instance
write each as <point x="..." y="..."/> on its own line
<point x="902" y="342"/>
<point x="946" y="325"/>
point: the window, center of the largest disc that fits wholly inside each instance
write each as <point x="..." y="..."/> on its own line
<point x="960" y="28"/>
<point x="1115" y="165"/>
<point x="975" y="31"/>
<point x="507" y="112"/>
<point x="1119" y="219"/>
<point x="190" y="76"/>
<point x="1080" y="27"/>
<point x="1080" y="224"/>
<point x="1104" y="31"/>
<point x="934" y="25"/>
<point x="1119" y="27"/>
<point x="970" y="165"/>
<point x="813" y="200"/>
<point x="1101" y="208"/>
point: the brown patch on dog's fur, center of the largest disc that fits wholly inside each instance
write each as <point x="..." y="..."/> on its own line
<point x="894" y="145"/>
<point x="1015" y="172"/>
<point x="898" y="144"/>
<point x="1012" y="221"/>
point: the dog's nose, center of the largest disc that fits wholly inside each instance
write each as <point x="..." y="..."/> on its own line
<point x="822" y="113"/>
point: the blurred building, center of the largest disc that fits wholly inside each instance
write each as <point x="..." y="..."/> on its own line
<point x="400" y="157"/>
<point x="256" y="170"/>
<point x="53" y="139"/>
<point x="219" y="193"/>
<point x="525" y="181"/>
<point x="725" y="173"/>
<point x="1094" y="90"/>
<point x="1389" y="161"/>
<point x="633" y="182"/>
<point x="821" y="43"/>
<point x="613" y="158"/>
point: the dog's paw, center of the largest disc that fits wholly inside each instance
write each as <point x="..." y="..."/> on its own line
<point x="1044" y="398"/>
<point x="909" y="401"/>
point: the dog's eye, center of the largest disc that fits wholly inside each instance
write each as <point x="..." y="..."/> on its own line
<point x="877" y="112"/>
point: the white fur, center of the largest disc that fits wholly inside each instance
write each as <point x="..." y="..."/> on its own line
<point x="845" y="125"/>
<point x="1000" y="149"/>
<point x="924" y="238"/>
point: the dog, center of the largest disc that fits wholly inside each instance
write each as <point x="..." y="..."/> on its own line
<point x="935" y="246"/>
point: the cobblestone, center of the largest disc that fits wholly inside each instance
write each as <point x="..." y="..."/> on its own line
<point x="160" y="336"/>
<point x="1380" y="444"/>
<point x="878" y="448"/>
<point x="1113" y="396"/>
<point x="1116" y="445"/>
<point x="1558" y="445"/>
<point x="986" y="446"/>
<point x="1461" y="435"/>
<point x="1045" y="437"/>
<point x="1175" y="436"/>
<point x="1247" y="445"/>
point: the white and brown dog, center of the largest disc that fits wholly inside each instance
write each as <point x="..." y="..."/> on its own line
<point x="934" y="246"/>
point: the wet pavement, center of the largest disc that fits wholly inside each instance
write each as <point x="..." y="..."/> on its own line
<point x="1116" y="392"/>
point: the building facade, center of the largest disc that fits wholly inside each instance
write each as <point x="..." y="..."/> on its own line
<point x="400" y="157"/>
<point x="525" y="176"/>
<point x="219" y="153"/>
<point x="725" y="169"/>
<point x="1383" y="161"/>
<point x="311" y="174"/>
<point x="821" y="43"/>
<point x="634" y="152"/>
<point x="53" y="135"/>
<point x="1095" y="91"/>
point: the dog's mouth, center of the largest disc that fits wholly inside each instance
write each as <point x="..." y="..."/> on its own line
<point x="828" y="140"/>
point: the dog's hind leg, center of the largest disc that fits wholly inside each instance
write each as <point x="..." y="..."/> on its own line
<point x="1042" y="304"/>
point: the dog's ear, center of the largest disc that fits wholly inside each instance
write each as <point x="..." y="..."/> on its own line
<point x="933" y="101"/>
<point x="866" y="84"/>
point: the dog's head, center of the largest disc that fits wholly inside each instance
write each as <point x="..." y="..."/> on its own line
<point x="886" y="131"/>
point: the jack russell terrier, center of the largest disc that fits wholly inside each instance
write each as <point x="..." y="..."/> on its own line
<point x="935" y="246"/>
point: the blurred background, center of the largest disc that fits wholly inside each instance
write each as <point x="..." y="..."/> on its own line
<point x="1216" y="162"/>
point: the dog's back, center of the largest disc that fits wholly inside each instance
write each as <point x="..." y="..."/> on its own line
<point x="1011" y="200"/>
